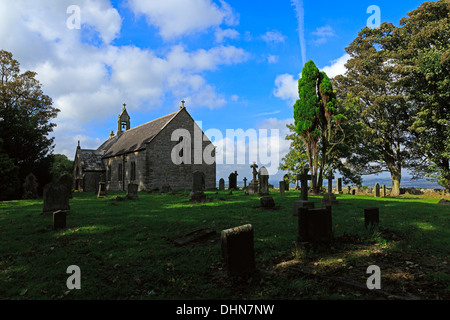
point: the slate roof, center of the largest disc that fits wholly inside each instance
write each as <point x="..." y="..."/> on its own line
<point x="91" y="160"/>
<point x="135" y="138"/>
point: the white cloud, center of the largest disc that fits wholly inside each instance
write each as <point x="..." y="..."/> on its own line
<point x="175" y="18"/>
<point x="273" y="37"/>
<point x="337" y="66"/>
<point x="323" y="34"/>
<point x="286" y="88"/>
<point x="221" y="35"/>
<point x="272" y="58"/>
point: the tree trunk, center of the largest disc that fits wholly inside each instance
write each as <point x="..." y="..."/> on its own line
<point x="396" y="177"/>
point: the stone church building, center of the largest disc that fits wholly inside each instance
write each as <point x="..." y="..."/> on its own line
<point x="142" y="155"/>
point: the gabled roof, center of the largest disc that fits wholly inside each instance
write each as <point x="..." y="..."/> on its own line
<point x="91" y="160"/>
<point x="134" y="139"/>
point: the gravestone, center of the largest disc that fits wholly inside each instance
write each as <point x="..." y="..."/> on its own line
<point x="30" y="187"/>
<point x="67" y="180"/>
<point x="267" y="202"/>
<point x="315" y="225"/>
<point x="286" y="182"/>
<point x="132" y="192"/>
<point x="232" y="181"/>
<point x="237" y="248"/>
<point x="353" y="191"/>
<point x="339" y="185"/>
<point x="371" y="218"/>
<point x="56" y="197"/>
<point x="329" y="198"/>
<point x="245" y="183"/>
<point x="303" y="202"/>
<point x="282" y="185"/>
<point x="377" y="190"/>
<point x="198" y="185"/>
<point x="263" y="186"/>
<point x="383" y="191"/>
<point x="221" y="184"/>
<point x="444" y="202"/>
<point x="194" y="236"/>
<point x="101" y="190"/>
<point x="349" y="190"/>
<point x="253" y="186"/>
<point x="330" y="178"/>
<point x="59" y="219"/>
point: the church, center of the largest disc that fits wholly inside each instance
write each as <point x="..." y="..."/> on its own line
<point x="144" y="156"/>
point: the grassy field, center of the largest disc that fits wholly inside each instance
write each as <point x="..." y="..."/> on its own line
<point x="125" y="249"/>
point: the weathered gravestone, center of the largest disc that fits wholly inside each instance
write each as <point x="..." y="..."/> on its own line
<point x="238" y="250"/>
<point x="101" y="190"/>
<point x="198" y="185"/>
<point x="383" y="191"/>
<point x="263" y="186"/>
<point x="354" y="192"/>
<point x="59" y="219"/>
<point x="329" y="198"/>
<point x="232" y="181"/>
<point x="371" y="218"/>
<point x="339" y="185"/>
<point x="315" y="225"/>
<point x="30" y="187"/>
<point x="377" y="190"/>
<point x="253" y="186"/>
<point x="282" y="186"/>
<point x="67" y="180"/>
<point x="132" y="192"/>
<point x="56" y="197"/>
<point x="267" y="202"/>
<point x="245" y="182"/>
<point x="221" y="184"/>
<point x="303" y="202"/>
<point x="286" y="182"/>
<point x="444" y="202"/>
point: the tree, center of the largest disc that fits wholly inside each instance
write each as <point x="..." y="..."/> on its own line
<point x="315" y="117"/>
<point x="295" y="161"/>
<point x="371" y="85"/>
<point x="25" y="117"/>
<point x="422" y="56"/>
<point x="61" y="165"/>
<point x="9" y="183"/>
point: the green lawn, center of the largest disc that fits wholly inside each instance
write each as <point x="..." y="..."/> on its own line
<point x="125" y="249"/>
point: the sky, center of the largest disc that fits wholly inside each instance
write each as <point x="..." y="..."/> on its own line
<point x="235" y="63"/>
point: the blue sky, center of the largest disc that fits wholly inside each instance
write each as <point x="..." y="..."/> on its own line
<point x="236" y="63"/>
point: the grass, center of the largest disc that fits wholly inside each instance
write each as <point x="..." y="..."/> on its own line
<point x="125" y="249"/>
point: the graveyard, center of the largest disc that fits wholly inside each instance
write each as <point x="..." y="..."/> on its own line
<point x="163" y="246"/>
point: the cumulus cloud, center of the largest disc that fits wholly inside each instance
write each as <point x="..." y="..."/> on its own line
<point x="337" y="66"/>
<point x="90" y="80"/>
<point x="286" y="88"/>
<point x="273" y="37"/>
<point x="175" y="18"/>
<point x="221" y="35"/>
<point x="323" y="34"/>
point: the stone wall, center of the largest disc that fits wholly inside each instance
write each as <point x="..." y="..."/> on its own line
<point x="161" y="169"/>
<point x="112" y="180"/>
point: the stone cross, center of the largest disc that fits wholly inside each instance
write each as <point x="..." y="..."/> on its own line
<point x="330" y="178"/>
<point x="304" y="177"/>
<point x="254" y="166"/>
<point x="245" y="182"/>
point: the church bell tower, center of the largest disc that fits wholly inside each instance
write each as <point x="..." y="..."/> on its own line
<point x="123" y="124"/>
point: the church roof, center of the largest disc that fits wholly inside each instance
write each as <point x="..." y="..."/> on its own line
<point x="134" y="139"/>
<point x="91" y="160"/>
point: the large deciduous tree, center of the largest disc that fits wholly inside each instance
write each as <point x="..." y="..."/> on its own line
<point x="371" y="85"/>
<point x="25" y="117"/>
<point x="422" y="56"/>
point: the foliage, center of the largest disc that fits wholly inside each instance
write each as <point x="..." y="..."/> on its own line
<point x="61" y="165"/>
<point x="422" y="55"/>
<point x="9" y="173"/>
<point x="296" y="159"/>
<point x="25" y="116"/>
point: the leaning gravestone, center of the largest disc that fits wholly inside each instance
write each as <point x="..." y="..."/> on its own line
<point x="377" y="190"/>
<point x="238" y="250"/>
<point x="221" y="184"/>
<point x="56" y="197"/>
<point x="198" y="183"/>
<point x="59" y="219"/>
<point x="132" y="192"/>
<point x="315" y="225"/>
<point x="371" y="218"/>
<point x="263" y="177"/>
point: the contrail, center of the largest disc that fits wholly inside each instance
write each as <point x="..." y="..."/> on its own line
<point x="300" y="12"/>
